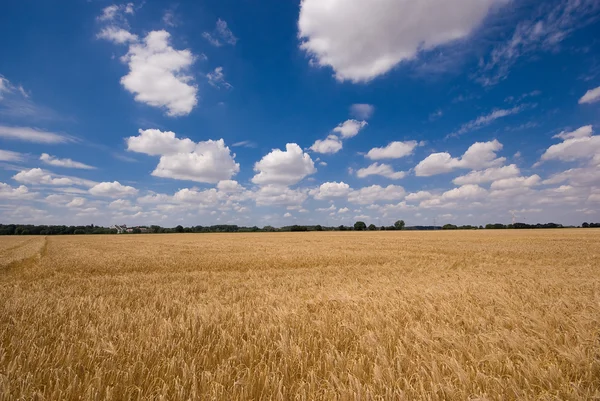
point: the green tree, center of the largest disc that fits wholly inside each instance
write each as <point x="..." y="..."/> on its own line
<point x="399" y="225"/>
<point x="360" y="226"/>
<point x="179" y="229"/>
<point x="585" y="225"/>
<point x="372" y="227"/>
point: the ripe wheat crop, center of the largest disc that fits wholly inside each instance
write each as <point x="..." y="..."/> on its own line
<point x="486" y="315"/>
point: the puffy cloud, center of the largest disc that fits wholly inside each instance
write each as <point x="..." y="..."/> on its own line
<point x="330" y="145"/>
<point x="418" y="196"/>
<point x="221" y="35"/>
<point x="113" y="190"/>
<point x="21" y="192"/>
<point x="343" y="210"/>
<point x="376" y="193"/>
<point x="516" y="182"/>
<point x="155" y="142"/>
<point x="68" y="163"/>
<point x="488" y="175"/>
<point x="183" y="159"/>
<point x="37" y="176"/>
<point x="33" y="135"/>
<point x="229" y="186"/>
<point x="210" y="162"/>
<point x="277" y="195"/>
<point x="581" y="177"/>
<point x="158" y="74"/>
<point x="330" y="190"/>
<point x="77" y="202"/>
<point x="479" y="155"/>
<point x="350" y="128"/>
<point x="465" y="192"/>
<point x="591" y="96"/>
<point x="360" y="41"/>
<point x="394" y="150"/>
<point x="117" y="35"/>
<point x="576" y="145"/>
<point x="283" y="167"/>
<point x="362" y="111"/>
<point x="384" y="170"/>
<point x="9" y="156"/>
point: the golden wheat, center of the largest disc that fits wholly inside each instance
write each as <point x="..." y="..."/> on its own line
<point x="488" y="315"/>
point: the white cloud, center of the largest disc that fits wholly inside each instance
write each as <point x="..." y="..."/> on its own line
<point x="221" y="35"/>
<point x="217" y="78"/>
<point x="577" y="145"/>
<point x="516" y="182"/>
<point x="277" y="195"/>
<point x="77" y="202"/>
<point x="488" y="175"/>
<point x="362" y="111"/>
<point x="418" y="196"/>
<point x="479" y="155"/>
<point x="117" y="35"/>
<point x="109" y="13"/>
<point x="343" y="210"/>
<point x="10" y="156"/>
<point x="183" y="159"/>
<point x="376" y="193"/>
<point x="384" y="170"/>
<point x="210" y="162"/>
<point x="332" y="144"/>
<point x="283" y="167"/>
<point x="330" y="190"/>
<point x="158" y="74"/>
<point x="394" y="150"/>
<point x="21" y="192"/>
<point x="37" y="176"/>
<point x="591" y="96"/>
<point x="465" y="192"/>
<point x="68" y="163"/>
<point x="487" y="119"/>
<point x="361" y="41"/>
<point x="245" y="144"/>
<point x="113" y="190"/>
<point x="552" y="23"/>
<point x="350" y="128"/>
<point x="154" y="142"/>
<point x="33" y="135"/>
<point x="229" y="186"/>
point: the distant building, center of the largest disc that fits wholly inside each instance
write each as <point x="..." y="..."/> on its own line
<point x="121" y="229"/>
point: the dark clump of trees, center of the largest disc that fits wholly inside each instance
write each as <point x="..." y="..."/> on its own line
<point x="30" y="229"/>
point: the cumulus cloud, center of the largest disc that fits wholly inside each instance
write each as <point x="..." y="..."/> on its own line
<point x="394" y="150"/>
<point x="362" y="111"/>
<point x="217" y="79"/>
<point x="278" y="195"/>
<point x="331" y="190"/>
<point x="221" y="35"/>
<point x="350" y="128"/>
<point x="35" y="135"/>
<point x="10" y="193"/>
<point x="332" y="144"/>
<point x="376" y="193"/>
<point x="283" y="167"/>
<point x="360" y="41"/>
<point x="37" y="176"/>
<point x="10" y="156"/>
<point x="479" y="155"/>
<point x="384" y="170"/>
<point x="516" y="182"/>
<point x="591" y="96"/>
<point x="113" y="190"/>
<point x="488" y="175"/>
<point x="117" y="35"/>
<point x="158" y="74"/>
<point x="68" y="163"/>
<point x="576" y="145"/>
<point x="77" y="202"/>
<point x="418" y="196"/>
<point x="183" y="159"/>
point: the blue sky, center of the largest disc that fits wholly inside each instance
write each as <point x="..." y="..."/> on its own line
<point x="300" y="112"/>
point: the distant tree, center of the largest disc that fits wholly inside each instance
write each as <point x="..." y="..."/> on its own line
<point x="382" y="228"/>
<point x="360" y="226"/>
<point x="399" y="225"/>
<point x="318" y="227"/>
<point x="481" y="227"/>
<point x="585" y="225"/>
<point x="372" y="227"/>
<point x="79" y="231"/>
<point x="179" y="229"/>
<point x="449" y="227"/>
<point x="342" y="228"/>
<point x="137" y="230"/>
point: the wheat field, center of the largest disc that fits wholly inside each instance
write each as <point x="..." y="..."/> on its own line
<point x="467" y="315"/>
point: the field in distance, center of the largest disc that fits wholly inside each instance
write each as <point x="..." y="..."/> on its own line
<point x="487" y="315"/>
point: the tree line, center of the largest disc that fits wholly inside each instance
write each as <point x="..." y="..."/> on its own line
<point x="30" y="229"/>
